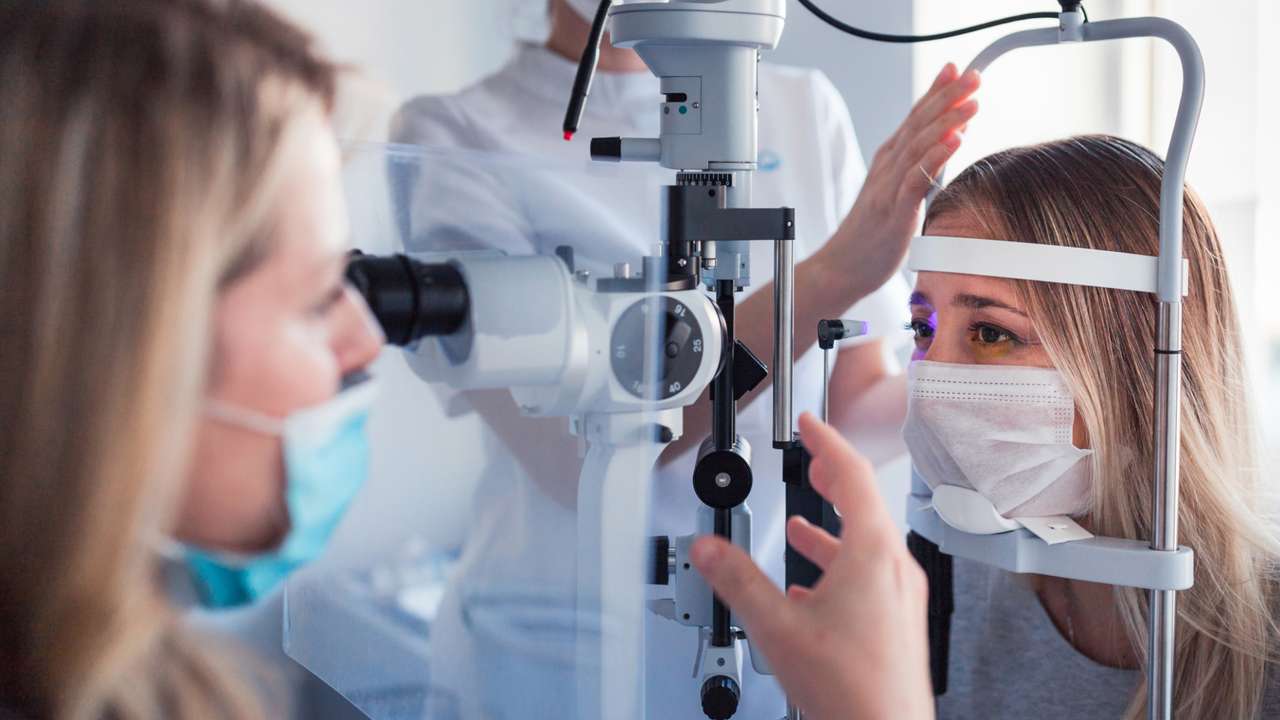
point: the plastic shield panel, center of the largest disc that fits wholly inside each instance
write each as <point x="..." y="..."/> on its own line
<point x="493" y="566"/>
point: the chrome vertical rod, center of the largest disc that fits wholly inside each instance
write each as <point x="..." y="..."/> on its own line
<point x="1164" y="535"/>
<point x="826" y="385"/>
<point x="783" y="337"/>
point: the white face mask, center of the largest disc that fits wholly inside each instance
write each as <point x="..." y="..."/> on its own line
<point x="1001" y="431"/>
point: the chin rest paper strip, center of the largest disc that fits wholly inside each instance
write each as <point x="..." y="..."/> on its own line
<point x="1031" y="261"/>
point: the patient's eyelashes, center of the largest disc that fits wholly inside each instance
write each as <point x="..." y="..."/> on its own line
<point x="923" y="331"/>
<point x="994" y="342"/>
<point x="988" y="334"/>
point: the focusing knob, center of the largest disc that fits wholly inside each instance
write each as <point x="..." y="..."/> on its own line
<point x="704" y="179"/>
<point x="656" y="348"/>
<point x="720" y="697"/>
<point x="722" y="478"/>
<point x="659" y="560"/>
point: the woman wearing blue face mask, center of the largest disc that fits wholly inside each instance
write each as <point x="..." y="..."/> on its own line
<point x="178" y="343"/>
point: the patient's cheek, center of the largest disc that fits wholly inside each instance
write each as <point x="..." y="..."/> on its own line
<point x="992" y="352"/>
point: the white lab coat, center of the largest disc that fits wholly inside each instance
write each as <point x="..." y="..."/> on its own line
<point x="809" y="160"/>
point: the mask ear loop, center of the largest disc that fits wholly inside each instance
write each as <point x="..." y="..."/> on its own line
<point x="244" y="418"/>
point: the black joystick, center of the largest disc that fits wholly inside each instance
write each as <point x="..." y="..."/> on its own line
<point x="720" y="697"/>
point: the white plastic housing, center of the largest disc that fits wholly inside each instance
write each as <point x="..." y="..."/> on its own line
<point x="520" y="330"/>
<point x="537" y="331"/>
<point x="708" y="50"/>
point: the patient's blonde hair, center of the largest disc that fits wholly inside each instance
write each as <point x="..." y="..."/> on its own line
<point x="141" y="146"/>
<point x="1103" y="192"/>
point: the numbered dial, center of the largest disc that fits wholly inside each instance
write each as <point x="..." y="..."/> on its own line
<point x="656" y="348"/>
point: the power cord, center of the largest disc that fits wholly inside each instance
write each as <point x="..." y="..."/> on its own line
<point x="888" y="38"/>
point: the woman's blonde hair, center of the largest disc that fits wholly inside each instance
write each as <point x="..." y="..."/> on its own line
<point x="1104" y="192"/>
<point x="140" y="159"/>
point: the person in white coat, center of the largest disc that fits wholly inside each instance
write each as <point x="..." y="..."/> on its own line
<point x="848" y="249"/>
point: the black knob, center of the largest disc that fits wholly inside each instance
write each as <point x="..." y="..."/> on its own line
<point x="720" y="697"/>
<point x="722" y="478"/>
<point x="565" y="253"/>
<point x="659" y="560"/>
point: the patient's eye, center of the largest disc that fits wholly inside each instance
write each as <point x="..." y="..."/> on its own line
<point x="923" y="332"/>
<point x="988" y="334"/>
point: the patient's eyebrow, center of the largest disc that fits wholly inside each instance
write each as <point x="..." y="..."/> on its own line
<point x="979" y="302"/>
<point x="919" y="298"/>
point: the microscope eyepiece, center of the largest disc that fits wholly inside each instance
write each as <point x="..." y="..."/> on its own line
<point x="410" y="299"/>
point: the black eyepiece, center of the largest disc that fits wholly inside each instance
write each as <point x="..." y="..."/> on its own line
<point x="410" y="299"/>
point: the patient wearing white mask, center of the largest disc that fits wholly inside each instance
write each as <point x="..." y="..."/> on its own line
<point x="1038" y="396"/>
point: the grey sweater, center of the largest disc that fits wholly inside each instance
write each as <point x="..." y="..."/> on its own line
<point x="1008" y="660"/>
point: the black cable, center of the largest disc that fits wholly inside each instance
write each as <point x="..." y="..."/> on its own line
<point x="884" y="37"/>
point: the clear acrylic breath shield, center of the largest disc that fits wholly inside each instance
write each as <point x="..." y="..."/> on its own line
<point x="493" y="566"/>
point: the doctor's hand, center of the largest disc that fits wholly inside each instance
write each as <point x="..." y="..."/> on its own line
<point x="856" y="645"/>
<point x="872" y="241"/>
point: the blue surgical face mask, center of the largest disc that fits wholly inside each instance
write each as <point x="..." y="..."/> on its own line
<point x="326" y="460"/>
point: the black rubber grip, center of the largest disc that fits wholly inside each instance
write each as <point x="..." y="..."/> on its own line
<point x="659" y="552"/>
